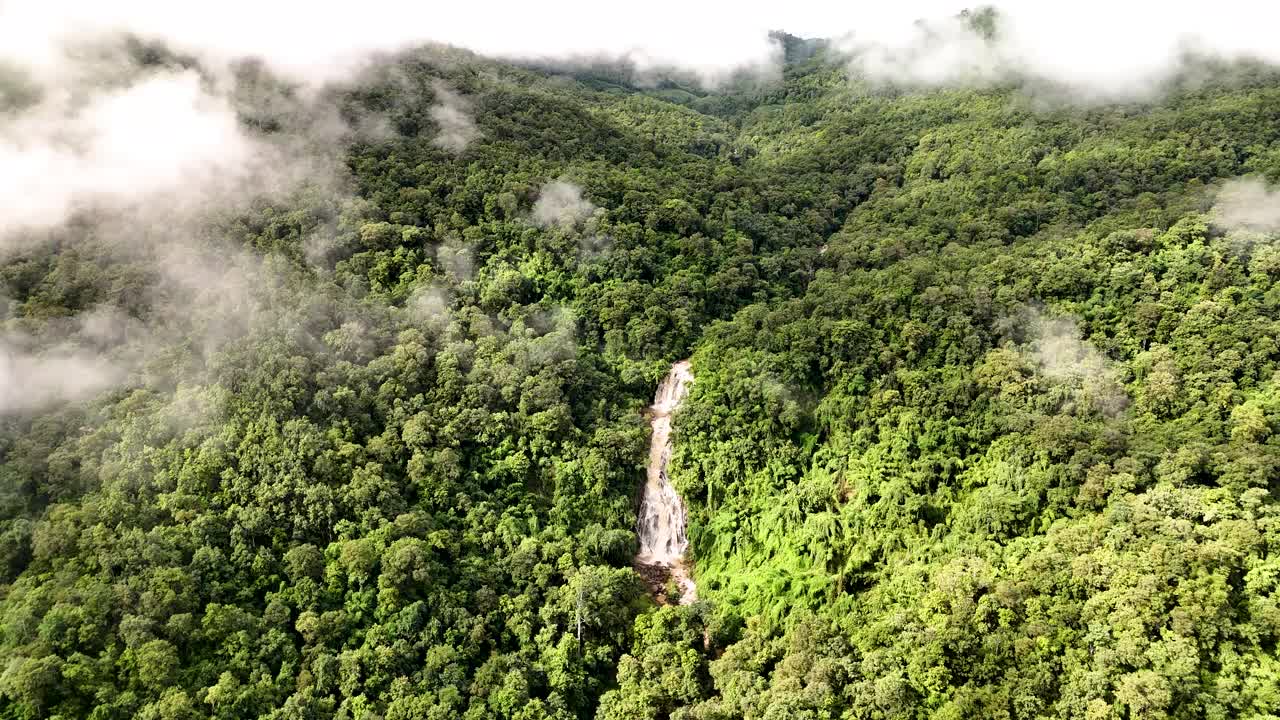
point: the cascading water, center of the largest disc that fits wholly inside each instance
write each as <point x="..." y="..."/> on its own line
<point x="661" y="524"/>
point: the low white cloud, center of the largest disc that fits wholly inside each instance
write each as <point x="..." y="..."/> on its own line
<point x="1065" y="356"/>
<point x="35" y="380"/>
<point x="326" y="41"/>
<point x="452" y="114"/>
<point x="1247" y="204"/>
<point x="429" y="307"/>
<point x="1091" y="49"/>
<point x="457" y="258"/>
<point x="1094" y="46"/>
<point x="936" y="51"/>
<point x="68" y="359"/>
<point x="560" y="202"/>
<point x="115" y="148"/>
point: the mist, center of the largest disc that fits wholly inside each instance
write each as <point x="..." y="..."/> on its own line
<point x="69" y="359"/>
<point x="1247" y="204"/>
<point x="561" y="203"/>
<point x="136" y="160"/>
<point x="452" y="113"/>
<point x="117" y="147"/>
<point x="31" y="381"/>
<point x="1065" y="356"/>
<point x="1097" y="48"/>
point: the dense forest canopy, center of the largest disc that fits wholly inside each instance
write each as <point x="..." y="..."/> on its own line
<point x="985" y="419"/>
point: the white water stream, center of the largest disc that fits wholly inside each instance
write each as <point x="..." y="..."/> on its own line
<point x="661" y="524"/>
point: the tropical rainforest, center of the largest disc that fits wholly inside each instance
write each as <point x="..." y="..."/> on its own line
<point x="986" y="418"/>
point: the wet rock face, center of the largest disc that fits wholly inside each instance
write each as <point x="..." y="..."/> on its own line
<point x="658" y="579"/>
<point x="661" y="523"/>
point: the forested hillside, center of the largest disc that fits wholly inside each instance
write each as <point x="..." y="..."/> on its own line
<point x="984" y="422"/>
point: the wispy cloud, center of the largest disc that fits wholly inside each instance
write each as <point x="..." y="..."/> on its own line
<point x="70" y="359"/>
<point x="116" y="147"/>
<point x="1065" y="356"/>
<point x="1093" y="46"/>
<point x="560" y="202"/>
<point x="452" y="113"/>
<point x="1248" y="204"/>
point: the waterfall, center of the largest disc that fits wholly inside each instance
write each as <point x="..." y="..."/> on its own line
<point x="661" y="523"/>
